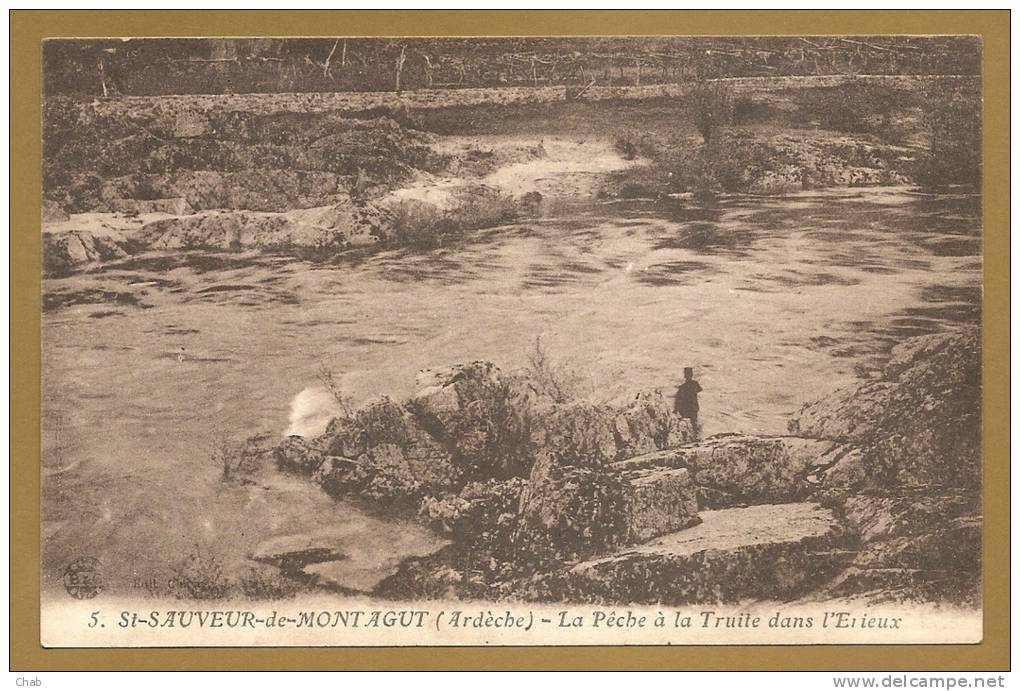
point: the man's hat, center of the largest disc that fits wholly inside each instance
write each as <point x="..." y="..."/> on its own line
<point x="688" y="371"/>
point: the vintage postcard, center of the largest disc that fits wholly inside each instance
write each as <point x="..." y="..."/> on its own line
<point x="398" y="341"/>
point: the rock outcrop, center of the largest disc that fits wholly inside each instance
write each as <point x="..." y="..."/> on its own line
<point x="175" y="206"/>
<point x="218" y="159"/>
<point x="920" y="546"/>
<point x="256" y="190"/>
<point x="919" y="425"/>
<point x="571" y="501"/>
<point x="53" y="213"/>
<point x="738" y="470"/>
<point x="517" y="480"/>
<point x="326" y="229"/>
<point x="759" y="552"/>
<point x="911" y="487"/>
<point x="64" y="252"/>
<point x="309" y="184"/>
<point x="475" y="424"/>
<point x="657" y="502"/>
<point x="578" y="503"/>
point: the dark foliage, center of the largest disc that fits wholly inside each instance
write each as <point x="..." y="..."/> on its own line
<point x="214" y="66"/>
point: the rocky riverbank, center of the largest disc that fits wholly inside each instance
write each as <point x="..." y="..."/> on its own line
<point x="306" y="184"/>
<point x="316" y="175"/>
<point x="875" y="494"/>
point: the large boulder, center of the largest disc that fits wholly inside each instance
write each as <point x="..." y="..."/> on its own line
<point x="919" y="425"/>
<point x="648" y="423"/>
<point x="576" y="433"/>
<point x="481" y="520"/>
<point x="480" y="415"/>
<point x="66" y="251"/>
<point x="482" y="516"/>
<point x="383" y="454"/>
<point x="736" y="469"/>
<point x="659" y="501"/>
<point x="379" y="452"/>
<point x="570" y="511"/>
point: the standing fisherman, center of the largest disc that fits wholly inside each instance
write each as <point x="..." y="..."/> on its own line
<point x="686" y="402"/>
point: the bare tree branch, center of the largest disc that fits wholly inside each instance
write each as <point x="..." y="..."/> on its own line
<point x="325" y="67"/>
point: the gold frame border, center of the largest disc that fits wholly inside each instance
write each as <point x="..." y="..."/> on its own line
<point x="29" y="27"/>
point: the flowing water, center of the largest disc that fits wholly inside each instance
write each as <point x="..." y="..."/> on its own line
<point x="773" y="301"/>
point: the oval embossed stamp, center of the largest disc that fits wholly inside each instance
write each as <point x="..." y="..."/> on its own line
<point x="83" y="578"/>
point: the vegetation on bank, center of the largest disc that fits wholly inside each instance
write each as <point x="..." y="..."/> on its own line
<point x="201" y="575"/>
<point x="222" y="175"/>
<point x="420" y="224"/>
<point x="857" y="134"/>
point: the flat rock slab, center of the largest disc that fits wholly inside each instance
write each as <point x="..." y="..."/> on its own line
<point x="732" y="529"/>
<point x="770" y="551"/>
<point x="347" y="560"/>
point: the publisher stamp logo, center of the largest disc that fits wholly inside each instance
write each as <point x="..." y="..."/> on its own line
<point x="83" y="578"/>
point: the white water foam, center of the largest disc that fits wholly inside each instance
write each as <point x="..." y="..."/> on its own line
<point x="310" y="412"/>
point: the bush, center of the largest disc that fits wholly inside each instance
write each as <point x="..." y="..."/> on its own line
<point x="646" y="146"/>
<point x="483" y="208"/>
<point x="240" y="461"/>
<point x="711" y="108"/>
<point x="952" y="117"/>
<point x="858" y="106"/>
<point x="553" y="380"/>
<point x="329" y="380"/>
<point x="705" y="170"/>
<point x="418" y="223"/>
<point x="746" y="110"/>
<point x="626" y="148"/>
<point x="199" y="576"/>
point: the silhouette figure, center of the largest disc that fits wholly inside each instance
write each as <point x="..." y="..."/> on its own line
<point x="686" y="402"/>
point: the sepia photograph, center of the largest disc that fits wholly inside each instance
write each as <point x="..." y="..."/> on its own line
<point x="537" y="340"/>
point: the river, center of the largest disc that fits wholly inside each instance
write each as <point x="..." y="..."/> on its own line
<point x="773" y="301"/>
